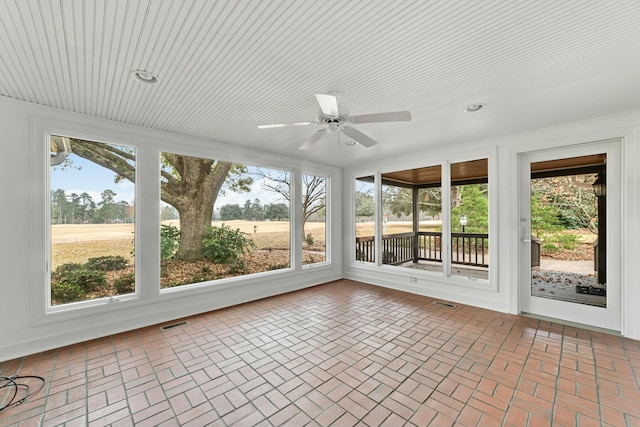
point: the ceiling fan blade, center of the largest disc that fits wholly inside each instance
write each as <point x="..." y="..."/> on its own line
<point x="328" y="104"/>
<point x="314" y="138"/>
<point x="284" y="125"/>
<point x="358" y="136"/>
<point x="395" y="116"/>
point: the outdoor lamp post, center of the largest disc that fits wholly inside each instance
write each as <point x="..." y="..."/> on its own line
<point x="463" y="221"/>
<point x="600" y="186"/>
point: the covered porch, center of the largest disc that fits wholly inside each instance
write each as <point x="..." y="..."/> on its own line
<point x="421" y="249"/>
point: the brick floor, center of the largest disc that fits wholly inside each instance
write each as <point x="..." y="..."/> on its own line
<point x="340" y="354"/>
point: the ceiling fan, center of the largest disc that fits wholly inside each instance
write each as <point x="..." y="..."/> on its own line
<point x="335" y="118"/>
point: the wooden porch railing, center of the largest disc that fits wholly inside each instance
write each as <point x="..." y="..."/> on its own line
<point x="466" y="248"/>
<point x="469" y="248"/>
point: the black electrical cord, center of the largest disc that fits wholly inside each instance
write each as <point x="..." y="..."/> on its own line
<point x="17" y="386"/>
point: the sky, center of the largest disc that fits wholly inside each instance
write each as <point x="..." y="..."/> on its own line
<point x="88" y="177"/>
<point x="85" y="176"/>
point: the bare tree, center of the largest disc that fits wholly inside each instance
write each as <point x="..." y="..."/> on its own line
<point x="314" y="191"/>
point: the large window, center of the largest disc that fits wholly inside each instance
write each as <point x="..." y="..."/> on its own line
<point x="221" y="219"/>
<point x="92" y="213"/>
<point x="314" y="219"/>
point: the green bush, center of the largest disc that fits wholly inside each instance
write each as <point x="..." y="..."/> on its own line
<point x="107" y="263"/>
<point x="224" y="245"/>
<point x="87" y="280"/>
<point x="64" y="292"/>
<point x="557" y="241"/>
<point x="169" y="241"/>
<point x="125" y="284"/>
<point x="309" y="239"/>
<point x="567" y="241"/>
<point x="60" y="273"/>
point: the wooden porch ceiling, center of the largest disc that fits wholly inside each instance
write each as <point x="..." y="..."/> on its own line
<point x="467" y="172"/>
<point x="477" y="171"/>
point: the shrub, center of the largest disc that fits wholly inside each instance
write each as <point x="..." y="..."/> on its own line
<point x="224" y="245"/>
<point x="107" y="263"/>
<point x="77" y="275"/>
<point x="567" y="241"/>
<point x="125" y="284"/>
<point x="169" y="241"/>
<point x="309" y="239"/>
<point x="64" y="292"/>
<point x="558" y="241"/>
<point x="87" y="280"/>
<point x="60" y="273"/>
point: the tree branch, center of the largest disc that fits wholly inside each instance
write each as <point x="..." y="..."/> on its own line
<point x="106" y="155"/>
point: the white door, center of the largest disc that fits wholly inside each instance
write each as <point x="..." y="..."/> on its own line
<point x="568" y="288"/>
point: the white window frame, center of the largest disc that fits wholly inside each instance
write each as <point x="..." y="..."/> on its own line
<point x="445" y="277"/>
<point x="42" y="311"/>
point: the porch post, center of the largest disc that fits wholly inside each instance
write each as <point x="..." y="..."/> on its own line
<point x="600" y="190"/>
<point x="602" y="235"/>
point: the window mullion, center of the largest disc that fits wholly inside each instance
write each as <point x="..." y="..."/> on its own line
<point x="446" y="219"/>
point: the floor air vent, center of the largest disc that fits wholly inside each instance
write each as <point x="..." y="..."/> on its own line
<point x="173" y="325"/>
<point x="444" y="304"/>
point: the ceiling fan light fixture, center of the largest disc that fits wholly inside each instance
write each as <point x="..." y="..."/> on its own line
<point x="333" y="126"/>
<point x="474" y="108"/>
<point x="145" y="77"/>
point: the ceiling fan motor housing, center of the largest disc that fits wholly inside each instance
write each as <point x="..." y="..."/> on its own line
<point x="332" y="123"/>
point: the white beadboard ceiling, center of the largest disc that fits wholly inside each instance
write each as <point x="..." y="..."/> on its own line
<point x="227" y="66"/>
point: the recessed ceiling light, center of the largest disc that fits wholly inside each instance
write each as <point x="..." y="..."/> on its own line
<point x="350" y="143"/>
<point x="144" y="76"/>
<point x="473" y="108"/>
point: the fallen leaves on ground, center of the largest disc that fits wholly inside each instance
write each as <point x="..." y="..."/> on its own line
<point x="582" y="252"/>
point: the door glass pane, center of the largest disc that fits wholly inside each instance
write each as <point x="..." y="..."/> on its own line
<point x="365" y="219"/>
<point x="568" y="233"/>
<point x="92" y="212"/>
<point x="470" y="219"/>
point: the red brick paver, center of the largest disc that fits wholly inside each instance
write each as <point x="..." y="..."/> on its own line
<point x="339" y="354"/>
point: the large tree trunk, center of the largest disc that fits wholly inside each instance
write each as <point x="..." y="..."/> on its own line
<point x="193" y="193"/>
<point x="192" y="187"/>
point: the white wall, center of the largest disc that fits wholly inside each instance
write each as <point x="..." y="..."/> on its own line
<point x="501" y="293"/>
<point x="26" y="329"/>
